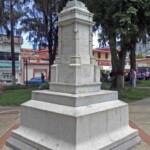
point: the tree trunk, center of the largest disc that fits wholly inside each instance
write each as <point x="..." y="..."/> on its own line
<point x="12" y="45"/>
<point x="50" y="45"/>
<point x="121" y="66"/>
<point x="120" y="82"/>
<point x="55" y="46"/>
<point x="118" y="62"/>
<point x="114" y="60"/>
<point x="132" y="55"/>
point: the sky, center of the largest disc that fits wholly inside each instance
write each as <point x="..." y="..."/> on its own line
<point x="26" y="44"/>
<point x="95" y="42"/>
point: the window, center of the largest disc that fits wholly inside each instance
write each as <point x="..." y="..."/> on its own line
<point x="99" y="55"/>
<point x="106" y="55"/>
<point x="7" y="56"/>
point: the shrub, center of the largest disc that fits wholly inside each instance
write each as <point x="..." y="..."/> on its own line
<point x="18" y="87"/>
<point x="44" y="86"/>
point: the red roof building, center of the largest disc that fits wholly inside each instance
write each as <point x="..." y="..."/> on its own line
<point x="33" y="63"/>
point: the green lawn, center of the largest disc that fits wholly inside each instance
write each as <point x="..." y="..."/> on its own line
<point x="15" y="97"/>
<point x="143" y="83"/>
<point x="18" y="94"/>
<point x="133" y="94"/>
<point x="129" y="94"/>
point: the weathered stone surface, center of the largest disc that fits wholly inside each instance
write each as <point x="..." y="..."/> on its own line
<point x="74" y="100"/>
<point x="96" y="126"/>
<point x="75" y="114"/>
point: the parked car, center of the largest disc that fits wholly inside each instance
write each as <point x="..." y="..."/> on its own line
<point x="35" y="80"/>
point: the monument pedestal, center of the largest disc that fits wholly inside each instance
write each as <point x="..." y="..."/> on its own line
<point x="60" y="121"/>
<point x="74" y="122"/>
<point x="75" y="114"/>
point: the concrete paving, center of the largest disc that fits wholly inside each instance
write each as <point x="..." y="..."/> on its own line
<point x="139" y="113"/>
<point x="9" y="119"/>
<point x="139" y="118"/>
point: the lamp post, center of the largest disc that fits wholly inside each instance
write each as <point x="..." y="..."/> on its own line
<point x="26" y="62"/>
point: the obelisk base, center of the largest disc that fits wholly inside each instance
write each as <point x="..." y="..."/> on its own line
<point x="50" y="126"/>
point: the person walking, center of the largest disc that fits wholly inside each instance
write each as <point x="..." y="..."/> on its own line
<point x="146" y="74"/>
<point x="133" y="78"/>
<point x="42" y="77"/>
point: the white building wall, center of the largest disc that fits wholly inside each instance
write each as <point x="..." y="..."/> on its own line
<point x="6" y="47"/>
<point x="34" y="69"/>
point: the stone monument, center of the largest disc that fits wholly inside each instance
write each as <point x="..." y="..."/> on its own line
<point x="74" y="114"/>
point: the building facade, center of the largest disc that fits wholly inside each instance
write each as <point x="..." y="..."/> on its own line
<point x="33" y="63"/>
<point x="5" y="58"/>
<point x="103" y="58"/>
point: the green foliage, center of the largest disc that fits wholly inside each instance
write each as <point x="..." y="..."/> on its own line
<point x="44" y="86"/>
<point x="139" y="56"/>
<point x="123" y="19"/>
<point x="11" y="13"/>
<point x="132" y="10"/>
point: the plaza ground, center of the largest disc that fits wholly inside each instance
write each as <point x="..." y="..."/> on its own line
<point x="139" y="113"/>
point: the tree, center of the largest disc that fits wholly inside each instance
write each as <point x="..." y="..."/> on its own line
<point x="105" y="15"/>
<point x="141" y="20"/>
<point x="41" y="24"/>
<point x="118" y="20"/>
<point x="11" y="13"/>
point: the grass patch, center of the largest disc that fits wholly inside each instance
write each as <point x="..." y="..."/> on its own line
<point x="143" y="83"/>
<point x="133" y="94"/>
<point x="105" y="85"/>
<point x="129" y="94"/>
<point x="15" y="97"/>
<point x="18" y="94"/>
<point x="18" y="87"/>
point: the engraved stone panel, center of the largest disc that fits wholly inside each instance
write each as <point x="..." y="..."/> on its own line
<point x="87" y="74"/>
<point x="67" y="39"/>
<point x="84" y="40"/>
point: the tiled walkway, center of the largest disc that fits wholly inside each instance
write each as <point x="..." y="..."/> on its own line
<point x="140" y="119"/>
<point x="9" y="119"/>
